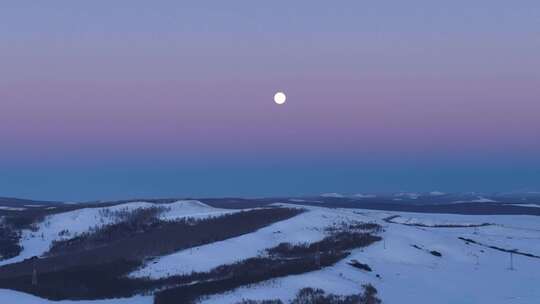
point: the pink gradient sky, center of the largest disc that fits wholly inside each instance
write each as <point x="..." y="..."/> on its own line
<point x="182" y="83"/>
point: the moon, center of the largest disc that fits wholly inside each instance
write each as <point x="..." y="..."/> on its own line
<point x="280" y="98"/>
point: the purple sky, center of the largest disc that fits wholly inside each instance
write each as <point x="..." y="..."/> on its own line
<point x="381" y="97"/>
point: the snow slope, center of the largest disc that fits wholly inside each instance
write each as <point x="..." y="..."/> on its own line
<point x="36" y="243"/>
<point x="408" y="272"/>
<point x="14" y="297"/>
<point x="11" y="208"/>
<point x="192" y="209"/>
<point x="436" y="193"/>
<point x="361" y="195"/>
<point x="479" y="199"/>
<point x="410" y="195"/>
<point x="464" y="274"/>
<point x="306" y="227"/>
<point x="332" y="195"/>
<point x="433" y="222"/>
<point x="526" y="205"/>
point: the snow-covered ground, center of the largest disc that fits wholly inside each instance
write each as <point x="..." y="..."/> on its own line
<point x="526" y="205"/>
<point x="12" y="208"/>
<point x="192" y="209"/>
<point x="479" y="199"/>
<point x="362" y="195"/>
<point x="332" y="195"/>
<point x="431" y="222"/>
<point x="14" y="297"/>
<point x="408" y="272"/>
<point x="464" y="273"/>
<point x="410" y="195"/>
<point x="307" y="227"/>
<point x="436" y="193"/>
<point x="70" y="224"/>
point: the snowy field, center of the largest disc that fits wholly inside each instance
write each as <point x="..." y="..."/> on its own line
<point x="70" y="224"/>
<point x="307" y="227"/>
<point x="14" y="297"/>
<point x="464" y="273"/>
<point x="11" y="208"/>
<point x="404" y="269"/>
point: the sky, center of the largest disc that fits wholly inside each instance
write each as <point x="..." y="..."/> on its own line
<point x="133" y="99"/>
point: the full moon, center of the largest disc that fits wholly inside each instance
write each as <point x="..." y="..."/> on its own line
<point x="280" y="98"/>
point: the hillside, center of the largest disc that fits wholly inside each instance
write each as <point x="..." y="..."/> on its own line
<point x="285" y="250"/>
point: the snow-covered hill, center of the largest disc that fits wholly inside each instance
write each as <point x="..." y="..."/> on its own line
<point x="305" y="228"/>
<point x="465" y="273"/>
<point x="423" y="257"/>
<point x="67" y="225"/>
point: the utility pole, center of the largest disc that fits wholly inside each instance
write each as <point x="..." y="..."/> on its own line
<point x="477" y="258"/>
<point x="34" y="278"/>
<point x="318" y="258"/>
<point x="511" y="261"/>
<point x="34" y="275"/>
